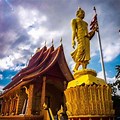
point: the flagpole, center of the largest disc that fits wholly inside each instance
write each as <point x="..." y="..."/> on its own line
<point x="100" y="48"/>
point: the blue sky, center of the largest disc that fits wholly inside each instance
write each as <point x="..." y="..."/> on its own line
<point x="25" y="25"/>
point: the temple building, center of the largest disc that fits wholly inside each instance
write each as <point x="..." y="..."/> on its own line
<point x="42" y="82"/>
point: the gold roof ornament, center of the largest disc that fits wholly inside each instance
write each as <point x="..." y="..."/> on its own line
<point x="38" y="49"/>
<point x="52" y="42"/>
<point x="45" y="43"/>
<point x="61" y="41"/>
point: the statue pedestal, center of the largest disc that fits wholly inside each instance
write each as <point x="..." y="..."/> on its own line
<point x="87" y="77"/>
<point x="88" y="97"/>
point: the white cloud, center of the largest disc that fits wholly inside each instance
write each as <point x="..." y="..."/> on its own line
<point x="17" y="68"/>
<point x="1" y="87"/>
<point x="36" y="33"/>
<point x="24" y="47"/>
<point x="34" y="23"/>
<point x="111" y="51"/>
<point x="7" y="39"/>
<point x="6" y="63"/>
<point x="110" y="40"/>
<point x="10" y="36"/>
<point x="71" y="64"/>
<point x="1" y="76"/>
<point x="43" y="32"/>
<point x="109" y="80"/>
<point x="10" y="61"/>
<point x="29" y="17"/>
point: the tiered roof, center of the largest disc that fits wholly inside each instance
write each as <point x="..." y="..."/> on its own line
<point x="45" y="61"/>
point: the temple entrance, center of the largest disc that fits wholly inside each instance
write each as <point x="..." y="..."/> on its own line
<point x="54" y="98"/>
<point x="22" y="102"/>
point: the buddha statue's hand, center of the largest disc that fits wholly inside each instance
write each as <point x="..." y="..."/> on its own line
<point x="73" y="44"/>
<point x="95" y="29"/>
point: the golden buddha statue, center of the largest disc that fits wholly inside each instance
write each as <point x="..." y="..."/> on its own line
<point x="87" y="96"/>
<point x="80" y="33"/>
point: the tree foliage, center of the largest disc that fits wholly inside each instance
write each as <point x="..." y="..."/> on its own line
<point x="116" y="85"/>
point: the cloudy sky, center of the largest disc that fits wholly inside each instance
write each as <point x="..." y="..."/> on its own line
<point x="25" y="25"/>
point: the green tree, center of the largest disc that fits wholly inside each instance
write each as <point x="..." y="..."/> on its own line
<point x="115" y="87"/>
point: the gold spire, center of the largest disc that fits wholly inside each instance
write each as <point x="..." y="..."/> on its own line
<point x="38" y="49"/>
<point x="94" y="9"/>
<point x="61" y="41"/>
<point x="52" y="43"/>
<point x="45" y="42"/>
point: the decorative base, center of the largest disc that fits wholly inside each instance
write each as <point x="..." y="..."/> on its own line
<point x="89" y="117"/>
<point x="87" y="77"/>
<point x="79" y="73"/>
<point x="87" y="96"/>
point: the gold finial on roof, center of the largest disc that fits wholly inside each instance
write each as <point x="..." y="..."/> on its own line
<point x="94" y="9"/>
<point x="52" y="43"/>
<point x="61" y="41"/>
<point x="45" y="42"/>
<point x="38" y="49"/>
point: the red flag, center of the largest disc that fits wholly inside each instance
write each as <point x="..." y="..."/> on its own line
<point x="93" y="23"/>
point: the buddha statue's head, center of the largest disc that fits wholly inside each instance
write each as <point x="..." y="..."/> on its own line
<point x="80" y="13"/>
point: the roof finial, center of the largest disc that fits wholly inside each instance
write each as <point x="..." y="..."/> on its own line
<point x="38" y="49"/>
<point x="45" y="42"/>
<point x="61" y="41"/>
<point x="94" y="9"/>
<point x="52" y="43"/>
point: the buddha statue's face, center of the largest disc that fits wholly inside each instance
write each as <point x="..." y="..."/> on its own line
<point x="80" y="13"/>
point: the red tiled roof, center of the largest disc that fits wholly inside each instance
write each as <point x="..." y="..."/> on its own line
<point x="33" y="62"/>
<point x="40" y="63"/>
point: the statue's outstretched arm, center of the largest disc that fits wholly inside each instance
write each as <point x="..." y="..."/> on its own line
<point x="73" y="23"/>
<point x="92" y="33"/>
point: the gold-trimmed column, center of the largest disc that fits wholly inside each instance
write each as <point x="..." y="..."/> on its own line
<point x="14" y="106"/>
<point x="6" y="107"/>
<point x="43" y="92"/>
<point x="17" y="104"/>
<point x="10" y="106"/>
<point x="30" y="100"/>
<point x="3" y="107"/>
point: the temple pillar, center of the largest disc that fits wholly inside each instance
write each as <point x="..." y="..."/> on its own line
<point x="17" y="104"/>
<point x="3" y="107"/>
<point x="30" y="100"/>
<point x="6" y="107"/>
<point x="14" y="106"/>
<point x="10" y="106"/>
<point x="43" y="92"/>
